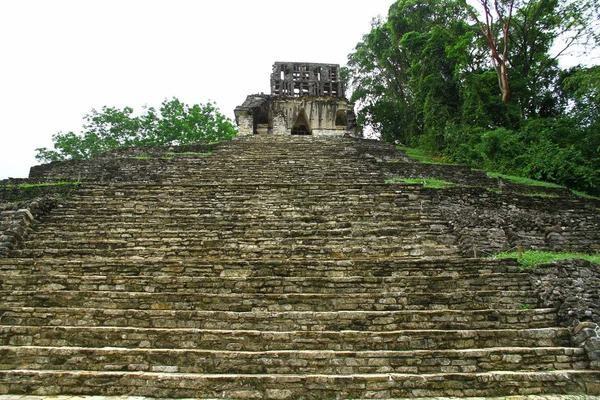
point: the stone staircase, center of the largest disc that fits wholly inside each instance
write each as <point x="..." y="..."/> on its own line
<point x="273" y="268"/>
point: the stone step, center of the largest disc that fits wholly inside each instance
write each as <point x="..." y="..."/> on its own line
<point x="176" y="385"/>
<point x="192" y="361"/>
<point x="283" y="242"/>
<point x="249" y="250"/>
<point x="478" y="272"/>
<point x="207" y="205"/>
<point x="256" y="231"/>
<point x="315" y="225"/>
<point x="253" y="340"/>
<point x="284" y="213"/>
<point x="263" y="284"/>
<point x="208" y="196"/>
<point x="248" y="302"/>
<point x="235" y="199"/>
<point x="283" y="321"/>
<point x="187" y="190"/>
<point x="269" y="219"/>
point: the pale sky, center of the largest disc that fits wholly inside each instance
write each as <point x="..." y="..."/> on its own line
<point x="61" y="58"/>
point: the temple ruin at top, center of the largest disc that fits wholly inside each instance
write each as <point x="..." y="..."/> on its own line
<point x="305" y="99"/>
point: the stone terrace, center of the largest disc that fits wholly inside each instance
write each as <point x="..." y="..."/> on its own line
<point x="286" y="268"/>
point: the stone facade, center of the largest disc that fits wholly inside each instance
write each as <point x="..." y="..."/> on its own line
<point x="305" y="99"/>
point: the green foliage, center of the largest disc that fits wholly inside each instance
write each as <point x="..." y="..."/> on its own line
<point x="529" y="259"/>
<point x="523" y="181"/>
<point x="584" y="195"/>
<point x="541" y="150"/>
<point x="421" y="155"/>
<point x="423" y="78"/>
<point x="176" y="123"/>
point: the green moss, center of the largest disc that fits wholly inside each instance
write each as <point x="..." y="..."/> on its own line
<point x="545" y="195"/>
<point x="584" y="195"/>
<point x="35" y="185"/>
<point x="422" y="156"/>
<point x="187" y="153"/>
<point x="141" y="157"/>
<point x="524" y="181"/>
<point x="426" y="182"/>
<point x="530" y="259"/>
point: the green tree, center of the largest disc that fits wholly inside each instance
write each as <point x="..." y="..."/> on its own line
<point x="436" y="75"/>
<point x="403" y="71"/>
<point x="176" y="123"/>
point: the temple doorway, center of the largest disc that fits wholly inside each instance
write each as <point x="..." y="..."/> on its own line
<point x="301" y="126"/>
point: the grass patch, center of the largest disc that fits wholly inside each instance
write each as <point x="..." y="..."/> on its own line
<point x="422" y="156"/>
<point x="530" y="259"/>
<point x="546" y="195"/>
<point x="141" y="157"/>
<point x="187" y="153"/>
<point x="584" y="195"/>
<point x="34" y="185"/>
<point x="525" y="181"/>
<point x="426" y="182"/>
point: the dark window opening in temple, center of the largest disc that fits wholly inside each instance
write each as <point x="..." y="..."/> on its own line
<point x="334" y="89"/>
<point x="261" y="119"/>
<point x="333" y="74"/>
<point x="301" y="126"/>
<point x="340" y="118"/>
<point x="304" y="89"/>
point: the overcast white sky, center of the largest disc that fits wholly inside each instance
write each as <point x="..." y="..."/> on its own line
<point x="61" y="58"/>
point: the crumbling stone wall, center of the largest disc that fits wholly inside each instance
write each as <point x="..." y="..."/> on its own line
<point x="22" y="190"/>
<point x="297" y="79"/>
<point x="572" y="287"/>
<point x="17" y="220"/>
<point x="487" y="222"/>
<point x="321" y="115"/>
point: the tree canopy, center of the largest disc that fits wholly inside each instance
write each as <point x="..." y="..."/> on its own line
<point x="175" y="123"/>
<point x="484" y="85"/>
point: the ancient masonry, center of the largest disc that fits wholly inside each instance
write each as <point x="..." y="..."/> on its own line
<point x="305" y="99"/>
<point x="291" y="267"/>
